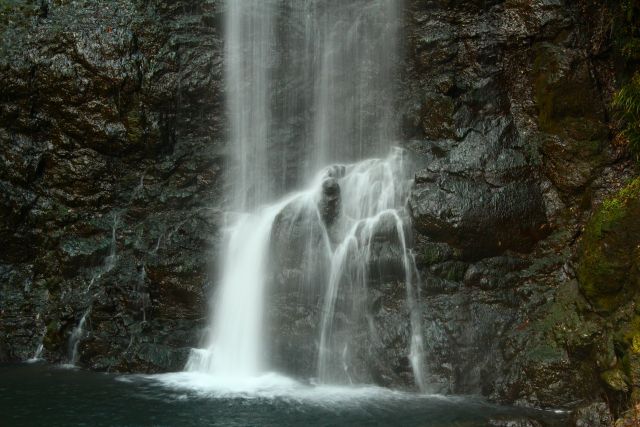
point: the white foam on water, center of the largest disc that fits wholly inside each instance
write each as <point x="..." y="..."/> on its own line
<point x="275" y="386"/>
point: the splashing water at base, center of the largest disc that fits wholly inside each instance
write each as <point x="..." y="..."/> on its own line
<point x="36" y="356"/>
<point x="367" y="202"/>
<point x="310" y="84"/>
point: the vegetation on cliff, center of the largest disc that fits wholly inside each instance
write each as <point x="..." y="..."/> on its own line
<point x="626" y="28"/>
<point x="608" y="272"/>
<point x="609" y="255"/>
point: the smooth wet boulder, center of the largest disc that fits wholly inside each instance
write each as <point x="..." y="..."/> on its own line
<point x="476" y="196"/>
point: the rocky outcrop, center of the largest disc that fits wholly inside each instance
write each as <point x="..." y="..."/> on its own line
<point x="111" y="126"/>
<point x="507" y="112"/>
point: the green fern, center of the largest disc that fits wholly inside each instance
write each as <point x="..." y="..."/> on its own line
<point x="626" y="101"/>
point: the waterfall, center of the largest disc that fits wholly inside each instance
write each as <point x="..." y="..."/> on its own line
<point x="76" y="336"/>
<point x="249" y="50"/>
<point x="37" y="354"/>
<point x="309" y="82"/>
<point x="78" y="333"/>
<point x="310" y="88"/>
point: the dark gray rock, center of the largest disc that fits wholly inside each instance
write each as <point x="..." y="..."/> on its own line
<point x="111" y="126"/>
<point x="596" y="414"/>
<point x="329" y="205"/>
<point x="514" y="422"/>
<point x="111" y="190"/>
<point x="505" y="108"/>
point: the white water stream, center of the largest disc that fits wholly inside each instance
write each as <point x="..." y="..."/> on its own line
<point x="309" y="88"/>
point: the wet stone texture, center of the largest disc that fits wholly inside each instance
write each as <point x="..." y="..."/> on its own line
<point x="110" y="178"/>
<point x="111" y="193"/>
<point x="506" y="110"/>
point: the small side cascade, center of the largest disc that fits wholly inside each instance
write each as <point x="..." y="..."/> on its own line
<point x="416" y="356"/>
<point x="141" y="292"/>
<point x="37" y="354"/>
<point x="111" y="259"/>
<point x="77" y="335"/>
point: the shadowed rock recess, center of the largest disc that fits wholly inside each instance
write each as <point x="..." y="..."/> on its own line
<point x="113" y="130"/>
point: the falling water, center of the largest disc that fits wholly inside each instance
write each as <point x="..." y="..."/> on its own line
<point x="309" y="88"/>
<point x="78" y="333"/>
<point x="76" y="336"/>
<point x="310" y="82"/>
<point x="37" y="354"/>
<point x="236" y="337"/>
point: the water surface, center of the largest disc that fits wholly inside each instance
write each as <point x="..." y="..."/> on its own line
<point x="43" y="395"/>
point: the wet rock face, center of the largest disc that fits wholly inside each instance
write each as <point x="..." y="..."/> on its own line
<point x="373" y="319"/>
<point x="295" y="289"/>
<point x="505" y="108"/>
<point x="111" y="162"/>
<point x="110" y="178"/>
<point x="594" y="415"/>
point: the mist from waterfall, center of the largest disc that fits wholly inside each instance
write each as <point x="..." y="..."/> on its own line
<point x="310" y="88"/>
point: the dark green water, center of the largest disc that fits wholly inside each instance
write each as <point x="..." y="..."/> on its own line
<point x="42" y="395"/>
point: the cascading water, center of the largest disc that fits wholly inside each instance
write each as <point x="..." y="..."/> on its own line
<point x="309" y="85"/>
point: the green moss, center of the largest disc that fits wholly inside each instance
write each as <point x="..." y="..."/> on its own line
<point x="14" y="11"/>
<point x="616" y="380"/>
<point x="545" y="352"/>
<point x="133" y="124"/>
<point x="133" y="118"/>
<point x="609" y="251"/>
<point x="454" y="271"/>
<point x="626" y="36"/>
<point x="52" y="338"/>
<point x="436" y="252"/>
<point x="52" y="283"/>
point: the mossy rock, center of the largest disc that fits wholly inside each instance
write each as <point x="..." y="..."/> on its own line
<point x="616" y="380"/>
<point x="53" y="337"/>
<point x="609" y="257"/>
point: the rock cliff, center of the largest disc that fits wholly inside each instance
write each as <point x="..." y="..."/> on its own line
<point x="112" y="156"/>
